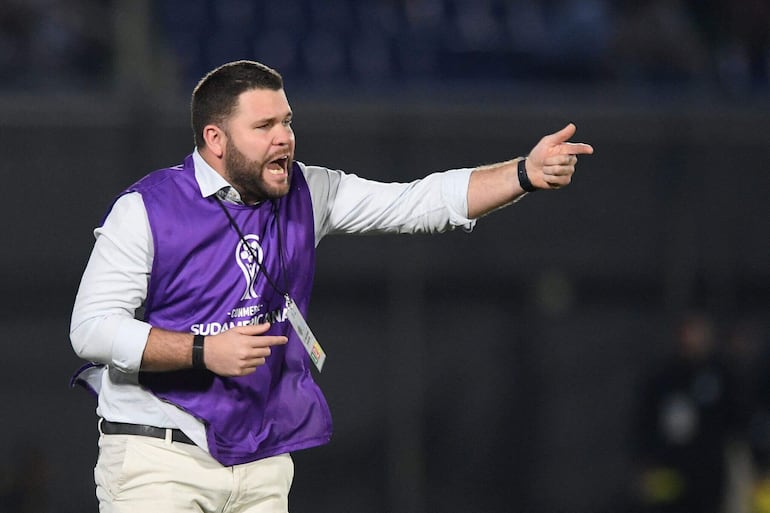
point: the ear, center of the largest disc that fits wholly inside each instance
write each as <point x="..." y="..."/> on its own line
<point x="215" y="139"/>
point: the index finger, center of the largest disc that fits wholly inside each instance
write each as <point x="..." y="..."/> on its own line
<point x="269" y="340"/>
<point x="568" y="148"/>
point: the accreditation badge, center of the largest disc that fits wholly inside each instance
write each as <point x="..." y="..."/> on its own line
<point x="313" y="348"/>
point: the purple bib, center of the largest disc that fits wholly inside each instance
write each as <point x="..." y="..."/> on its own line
<point x="205" y="280"/>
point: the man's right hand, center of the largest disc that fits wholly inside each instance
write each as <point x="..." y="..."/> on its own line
<point x="239" y="350"/>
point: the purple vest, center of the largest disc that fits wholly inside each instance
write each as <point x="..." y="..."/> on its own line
<point x="204" y="281"/>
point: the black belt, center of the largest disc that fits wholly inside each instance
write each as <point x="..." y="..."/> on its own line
<point x="120" y="428"/>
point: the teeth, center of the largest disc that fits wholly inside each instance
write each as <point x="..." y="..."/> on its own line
<point x="276" y="167"/>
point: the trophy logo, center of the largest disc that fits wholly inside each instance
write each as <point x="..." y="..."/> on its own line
<point x="249" y="255"/>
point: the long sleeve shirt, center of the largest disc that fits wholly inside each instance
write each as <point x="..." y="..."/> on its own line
<point x="104" y="328"/>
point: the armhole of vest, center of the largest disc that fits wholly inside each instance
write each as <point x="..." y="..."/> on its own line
<point x="148" y="296"/>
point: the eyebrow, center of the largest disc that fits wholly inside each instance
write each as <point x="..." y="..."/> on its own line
<point x="273" y="119"/>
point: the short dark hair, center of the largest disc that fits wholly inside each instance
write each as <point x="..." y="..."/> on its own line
<point x="216" y="95"/>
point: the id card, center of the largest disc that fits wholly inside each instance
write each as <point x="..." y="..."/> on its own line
<point x="313" y="348"/>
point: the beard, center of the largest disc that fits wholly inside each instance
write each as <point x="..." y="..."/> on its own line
<point x="247" y="176"/>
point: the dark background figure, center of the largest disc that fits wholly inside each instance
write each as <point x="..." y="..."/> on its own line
<point x="686" y="418"/>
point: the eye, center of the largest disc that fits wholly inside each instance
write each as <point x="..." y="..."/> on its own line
<point x="287" y="122"/>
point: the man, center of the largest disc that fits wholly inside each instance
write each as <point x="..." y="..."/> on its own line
<point x="202" y="401"/>
<point x="686" y="419"/>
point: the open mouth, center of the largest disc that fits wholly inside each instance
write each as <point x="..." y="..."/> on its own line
<point x="279" y="166"/>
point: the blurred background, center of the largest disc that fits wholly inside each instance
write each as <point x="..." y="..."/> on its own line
<point x="602" y="348"/>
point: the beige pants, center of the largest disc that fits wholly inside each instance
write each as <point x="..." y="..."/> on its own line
<point x="138" y="474"/>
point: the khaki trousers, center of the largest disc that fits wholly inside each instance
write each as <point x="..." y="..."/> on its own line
<point x="139" y="474"/>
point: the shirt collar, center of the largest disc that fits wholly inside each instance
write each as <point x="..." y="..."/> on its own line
<point x="211" y="182"/>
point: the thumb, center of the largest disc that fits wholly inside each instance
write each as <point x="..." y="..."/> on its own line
<point x="561" y="136"/>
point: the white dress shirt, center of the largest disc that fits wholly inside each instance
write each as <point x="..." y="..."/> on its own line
<point x="114" y="285"/>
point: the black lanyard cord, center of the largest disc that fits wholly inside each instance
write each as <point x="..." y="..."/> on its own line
<point x="276" y="208"/>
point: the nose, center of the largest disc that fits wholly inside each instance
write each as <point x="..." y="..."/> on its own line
<point x="284" y="135"/>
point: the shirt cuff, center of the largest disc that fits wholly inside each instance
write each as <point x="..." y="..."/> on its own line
<point x="129" y="343"/>
<point x="454" y="192"/>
